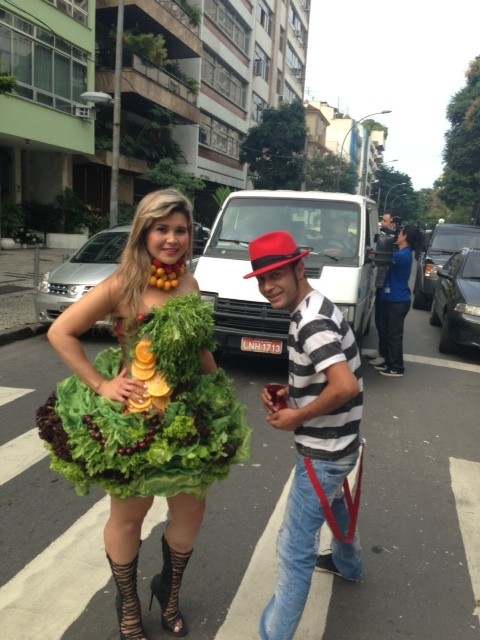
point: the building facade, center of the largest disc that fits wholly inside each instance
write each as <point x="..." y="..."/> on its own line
<point x="48" y="46"/>
<point x="194" y="78"/>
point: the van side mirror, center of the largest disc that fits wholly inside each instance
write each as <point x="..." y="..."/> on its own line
<point x="383" y="250"/>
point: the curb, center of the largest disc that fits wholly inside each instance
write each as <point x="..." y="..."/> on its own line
<point x="30" y="331"/>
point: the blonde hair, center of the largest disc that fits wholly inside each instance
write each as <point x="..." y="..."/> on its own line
<point x="134" y="267"/>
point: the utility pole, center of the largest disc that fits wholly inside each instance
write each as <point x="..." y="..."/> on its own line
<point x="116" y="116"/>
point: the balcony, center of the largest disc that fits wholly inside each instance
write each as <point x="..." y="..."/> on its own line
<point x="159" y="16"/>
<point x="144" y="84"/>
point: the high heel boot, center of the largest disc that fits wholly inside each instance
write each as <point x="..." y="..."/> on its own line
<point x="165" y="587"/>
<point x="127" y="601"/>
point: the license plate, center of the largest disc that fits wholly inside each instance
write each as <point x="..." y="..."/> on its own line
<point x="262" y="346"/>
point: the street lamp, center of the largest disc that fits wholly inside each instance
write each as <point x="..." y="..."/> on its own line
<point x="400" y="184"/>
<point x="369" y="115"/>
<point x="98" y="97"/>
<point x="402" y="195"/>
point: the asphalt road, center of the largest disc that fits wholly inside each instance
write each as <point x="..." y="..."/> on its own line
<point x="418" y="521"/>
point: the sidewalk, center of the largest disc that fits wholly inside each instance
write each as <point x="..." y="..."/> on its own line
<point x="19" y="271"/>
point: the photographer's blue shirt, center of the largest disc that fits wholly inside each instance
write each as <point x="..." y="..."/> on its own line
<point x="395" y="287"/>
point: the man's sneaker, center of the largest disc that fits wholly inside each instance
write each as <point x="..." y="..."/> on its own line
<point x="376" y="361"/>
<point x="372" y="355"/>
<point x="380" y="367"/>
<point x="391" y="373"/>
<point x="326" y="564"/>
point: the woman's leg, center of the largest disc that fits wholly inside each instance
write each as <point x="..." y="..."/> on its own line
<point x="184" y="522"/>
<point x="122" y="543"/>
<point x="124" y="527"/>
<point x="185" y="519"/>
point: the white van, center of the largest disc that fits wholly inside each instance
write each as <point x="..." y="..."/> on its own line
<point x="340" y="228"/>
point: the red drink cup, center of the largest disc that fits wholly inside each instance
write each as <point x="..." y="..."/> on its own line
<point x="278" y="401"/>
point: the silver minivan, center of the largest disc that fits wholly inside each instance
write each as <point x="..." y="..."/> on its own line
<point x="67" y="283"/>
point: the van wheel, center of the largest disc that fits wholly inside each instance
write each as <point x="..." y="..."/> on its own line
<point x="446" y="344"/>
<point x="434" y="319"/>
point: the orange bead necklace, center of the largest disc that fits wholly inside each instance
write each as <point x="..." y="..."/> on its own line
<point x="166" y="276"/>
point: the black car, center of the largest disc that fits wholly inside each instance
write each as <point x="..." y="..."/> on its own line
<point x="444" y="241"/>
<point x="456" y="301"/>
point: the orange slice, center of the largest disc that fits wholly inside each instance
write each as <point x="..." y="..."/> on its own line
<point x="160" y="403"/>
<point x="142" y="351"/>
<point x="143" y="365"/>
<point x="142" y="374"/>
<point x="141" y="404"/>
<point x="158" y="386"/>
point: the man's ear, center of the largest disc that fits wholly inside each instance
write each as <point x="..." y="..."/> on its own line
<point x="300" y="269"/>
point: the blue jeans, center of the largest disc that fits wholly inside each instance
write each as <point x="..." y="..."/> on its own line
<point x="297" y="544"/>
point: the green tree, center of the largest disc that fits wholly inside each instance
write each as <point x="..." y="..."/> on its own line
<point x="275" y="148"/>
<point x="165" y="174"/>
<point x="459" y="187"/>
<point x="330" y="173"/>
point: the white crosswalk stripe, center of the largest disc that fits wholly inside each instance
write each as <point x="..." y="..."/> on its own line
<point x="80" y="555"/>
<point x="9" y="394"/>
<point x="73" y="567"/>
<point x="466" y="488"/>
<point x="19" y="454"/>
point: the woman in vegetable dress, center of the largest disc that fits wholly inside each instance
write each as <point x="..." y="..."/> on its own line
<point x="152" y="276"/>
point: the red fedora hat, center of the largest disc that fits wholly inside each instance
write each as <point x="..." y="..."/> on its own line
<point x="272" y="251"/>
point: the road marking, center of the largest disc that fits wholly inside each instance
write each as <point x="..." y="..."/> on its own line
<point x="69" y="572"/>
<point x="435" y="362"/>
<point x="254" y="594"/>
<point x="19" y="454"/>
<point x="466" y="489"/>
<point x="439" y="362"/>
<point x="9" y="394"/>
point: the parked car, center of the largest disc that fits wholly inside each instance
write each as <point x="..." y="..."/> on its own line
<point x="67" y="283"/>
<point x="445" y="240"/>
<point x="456" y="301"/>
<point x="92" y="263"/>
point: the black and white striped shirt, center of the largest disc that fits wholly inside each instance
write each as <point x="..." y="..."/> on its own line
<point x="319" y="337"/>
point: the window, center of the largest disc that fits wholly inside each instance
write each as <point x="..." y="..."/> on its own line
<point x="258" y="105"/>
<point x="223" y="79"/>
<point x="48" y="69"/>
<point x="261" y="63"/>
<point x="264" y="16"/>
<point x="219" y="136"/>
<point x="78" y="9"/>
<point x="229" y="22"/>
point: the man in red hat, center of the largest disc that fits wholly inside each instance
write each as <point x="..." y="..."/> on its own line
<point x="325" y="404"/>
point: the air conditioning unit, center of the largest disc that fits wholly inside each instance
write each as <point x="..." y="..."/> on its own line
<point x="280" y="98"/>
<point x="84" y="112"/>
<point x="298" y="33"/>
<point x="258" y="66"/>
<point x="297" y="71"/>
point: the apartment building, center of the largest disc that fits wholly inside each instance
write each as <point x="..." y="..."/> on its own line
<point x="210" y="69"/>
<point x="254" y="56"/>
<point x="344" y="136"/>
<point x="48" y="45"/>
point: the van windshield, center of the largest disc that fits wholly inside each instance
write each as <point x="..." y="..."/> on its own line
<point x="327" y="227"/>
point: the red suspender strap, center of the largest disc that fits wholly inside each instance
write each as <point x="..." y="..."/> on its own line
<point x="353" y="506"/>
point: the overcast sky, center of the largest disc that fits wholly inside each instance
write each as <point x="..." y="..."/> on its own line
<point x="410" y="57"/>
